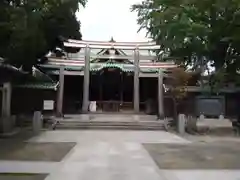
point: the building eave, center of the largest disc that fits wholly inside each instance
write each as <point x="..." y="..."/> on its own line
<point x="40" y="86"/>
<point x="99" y="66"/>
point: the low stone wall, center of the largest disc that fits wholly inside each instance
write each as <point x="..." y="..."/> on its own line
<point x="214" y="123"/>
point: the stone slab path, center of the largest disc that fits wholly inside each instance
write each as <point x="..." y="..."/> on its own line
<point x="110" y="155"/>
<point x="28" y="167"/>
<point x="110" y="136"/>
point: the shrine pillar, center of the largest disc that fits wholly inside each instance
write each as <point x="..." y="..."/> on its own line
<point x="160" y="95"/>
<point x="136" y="80"/>
<point x="60" y="92"/>
<point x="86" y="80"/>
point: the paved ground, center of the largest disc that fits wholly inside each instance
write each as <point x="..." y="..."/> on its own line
<point x="98" y="155"/>
<point x="108" y="136"/>
<point x="113" y="155"/>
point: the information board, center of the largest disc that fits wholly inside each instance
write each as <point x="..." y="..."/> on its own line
<point x="48" y="105"/>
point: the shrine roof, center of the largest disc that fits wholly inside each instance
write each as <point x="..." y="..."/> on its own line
<point x="100" y="66"/>
<point x="22" y="79"/>
<point x="38" y="85"/>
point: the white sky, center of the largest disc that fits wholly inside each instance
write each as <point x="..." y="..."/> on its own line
<point x="101" y="20"/>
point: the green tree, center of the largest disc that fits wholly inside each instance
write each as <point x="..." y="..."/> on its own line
<point x="195" y="32"/>
<point x="31" y="28"/>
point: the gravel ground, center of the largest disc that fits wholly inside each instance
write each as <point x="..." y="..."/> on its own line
<point x="16" y="148"/>
<point x="23" y="176"/>
<point x="204" y="153"/>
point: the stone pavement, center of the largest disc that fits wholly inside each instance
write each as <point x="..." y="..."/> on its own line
<point x="110" y="155"/>
<point x="28" y="167"/>
<point x="109" y="117"/>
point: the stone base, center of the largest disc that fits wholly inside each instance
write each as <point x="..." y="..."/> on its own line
<point x="181" y="124"/>
<point x="160" y="117"/>
<point x="10" y="134"/>
<point x="7" y="124"/>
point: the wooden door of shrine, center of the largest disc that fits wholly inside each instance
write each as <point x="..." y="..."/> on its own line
<point x="110" y="91"/>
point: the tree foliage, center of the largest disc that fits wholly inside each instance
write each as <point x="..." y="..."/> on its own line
<point x="31" y="28"/>
<point x="195" y="32"/>
<point x="180" y="79"/>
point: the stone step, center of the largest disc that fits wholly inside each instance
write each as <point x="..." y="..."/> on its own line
<point x="115" y="122"/>
<point x="65" y="126"/>
<point x="110" y="125"/>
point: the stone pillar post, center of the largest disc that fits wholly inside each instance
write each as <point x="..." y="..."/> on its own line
<point x="3" y="102"/>
<point x="136" y="80"/>
<point x="6" y="121"/>
<point x="160" y="95"/>
<point x="181" y="123"/>
<point x="60" y="92"/>
<point x="37" y="122"/>
<point x="86" y="80"/>
<point x="8" y="99"/>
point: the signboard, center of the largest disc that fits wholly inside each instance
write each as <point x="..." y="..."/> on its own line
<point x="210" y="106"/>
<point x="48" y="105"/>
<point x="93" y="106"/>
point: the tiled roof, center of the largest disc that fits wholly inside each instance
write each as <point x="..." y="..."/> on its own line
<point x="100" y="66"/>
<point x="95" y="67"/>
<point x="36" y="73"/>
<point x="81" y="53"/>
<point x="22" y="79"/>
<point x="46" y="86"/>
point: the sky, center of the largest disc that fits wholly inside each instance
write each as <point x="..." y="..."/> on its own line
<point x="103" y="19"/>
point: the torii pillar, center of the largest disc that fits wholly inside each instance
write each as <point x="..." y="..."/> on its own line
<point x="60" y="92"/>
<point x="160" y="95"/>
<point x="136" y="80"/>
<point x="86" y="80"/>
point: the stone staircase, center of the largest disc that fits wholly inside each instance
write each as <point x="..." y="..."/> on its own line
<point x="124" y="122"/>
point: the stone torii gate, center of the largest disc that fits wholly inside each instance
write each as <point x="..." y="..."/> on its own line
<point x="134" y="46"/>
